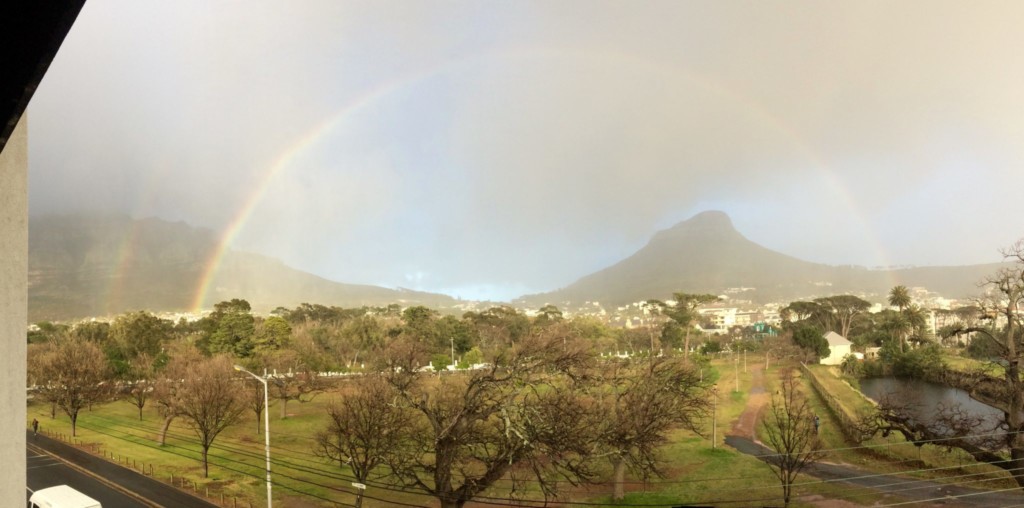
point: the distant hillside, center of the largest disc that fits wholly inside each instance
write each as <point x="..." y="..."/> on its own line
<point x="96" y="265"/>
<point x="707" y="254"/>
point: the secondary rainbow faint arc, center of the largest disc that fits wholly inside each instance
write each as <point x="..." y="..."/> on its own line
<point x="286" y="158"/>
<point x="283" y="161"/>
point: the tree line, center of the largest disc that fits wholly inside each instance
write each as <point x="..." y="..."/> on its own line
<point x="542" y="405"/>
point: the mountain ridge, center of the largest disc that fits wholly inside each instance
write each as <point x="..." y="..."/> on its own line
<point x="706" y="254"/>
<point x="88" y="265"/>
<point x="96" y="265"/>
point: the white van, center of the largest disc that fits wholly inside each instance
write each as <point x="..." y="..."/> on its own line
<point x="61" y="496"/>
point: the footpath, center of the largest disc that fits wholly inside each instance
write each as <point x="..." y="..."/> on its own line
<point x="894" y="490"/>
<point x="149" y="490"/>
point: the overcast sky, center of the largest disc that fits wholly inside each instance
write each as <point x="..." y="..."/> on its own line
<point x="489" y="149"/>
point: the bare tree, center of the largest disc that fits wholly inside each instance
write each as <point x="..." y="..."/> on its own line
<point x="520" y="415"/>
<point x="72" y="374"/>
<point x="255" y="401"/>
<point x="366" y="430"/>
<point x="140" y="372"/>
<point x="952" y="427"/>
<point x="293" y="380"/>
<point x="169" y="384"/>
<point x="641" y="403"/>
<point x="201" y="390"/>
<point x="208" y="401"/>
<point x="791" y="429"/>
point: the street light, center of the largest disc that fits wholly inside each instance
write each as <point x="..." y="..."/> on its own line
<point x="266" y="425"/>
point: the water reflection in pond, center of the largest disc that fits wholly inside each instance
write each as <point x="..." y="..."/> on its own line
<point x="927" y="398"/>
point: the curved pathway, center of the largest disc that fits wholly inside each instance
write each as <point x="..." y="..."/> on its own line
<point x="893" y="489"/>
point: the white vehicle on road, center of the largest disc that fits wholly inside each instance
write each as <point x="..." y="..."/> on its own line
<point x="61" y="496"/>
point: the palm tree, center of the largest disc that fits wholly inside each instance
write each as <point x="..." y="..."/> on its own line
<point x="898" y="327"/>
<point x="917" y="317"/>
<point x="899" y="297"/>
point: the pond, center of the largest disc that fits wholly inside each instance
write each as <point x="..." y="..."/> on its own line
<point x="927" y="398"/>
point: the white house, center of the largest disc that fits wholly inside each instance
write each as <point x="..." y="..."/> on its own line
<point x="838" y="347"/>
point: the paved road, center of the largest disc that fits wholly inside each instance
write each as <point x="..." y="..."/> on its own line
<point x="45" y="470"/>
<point x="52" y="462"/>
<point x="910" y="489"/>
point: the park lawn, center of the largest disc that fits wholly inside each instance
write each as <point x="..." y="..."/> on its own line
<point x="698" y="474"/>
<point x="695" y="472"/>
<point x="966" y="364"/>
<point x="237" y="457"/>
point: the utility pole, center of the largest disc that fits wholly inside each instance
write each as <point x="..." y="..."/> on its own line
<point x="266" y="423"/>
<point x="736" y="368"/>
<point x="714" y="416"/>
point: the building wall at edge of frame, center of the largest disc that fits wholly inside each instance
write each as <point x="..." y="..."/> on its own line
<point x="13" y="308"/>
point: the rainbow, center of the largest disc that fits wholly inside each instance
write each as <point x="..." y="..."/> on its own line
<point x="286" y="158"/>
<point x="125" y="258"/>
<point x="283" y="162"/>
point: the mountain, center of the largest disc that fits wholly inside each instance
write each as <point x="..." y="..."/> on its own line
<point x="95" y="265"/>
<point x="706" y="254"/>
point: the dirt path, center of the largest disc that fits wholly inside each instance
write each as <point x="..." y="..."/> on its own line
<point x="758" y="399"/>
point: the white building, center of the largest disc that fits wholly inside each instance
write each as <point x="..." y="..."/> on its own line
<point x="838" y="348"/>
<point x="721" y="318"/>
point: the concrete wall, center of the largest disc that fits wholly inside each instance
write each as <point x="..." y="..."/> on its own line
<point x="13" y="310"/>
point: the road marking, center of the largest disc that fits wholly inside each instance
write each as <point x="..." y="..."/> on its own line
<point x="108" y="483"/>
<point x="47" y="465"/>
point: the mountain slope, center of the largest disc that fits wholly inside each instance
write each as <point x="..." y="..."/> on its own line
<point x="96" y="265"/>
<point x="707" y="254"/>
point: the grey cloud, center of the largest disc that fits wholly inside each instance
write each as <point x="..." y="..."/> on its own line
<point x="523" y="145"/>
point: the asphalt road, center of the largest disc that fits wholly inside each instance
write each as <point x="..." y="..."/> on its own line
<point x="45" y="470"/>
<point x="51" y="462"/>
<point x="901" y="488"/>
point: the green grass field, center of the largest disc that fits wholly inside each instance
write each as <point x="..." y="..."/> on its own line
<point x="696" y="473"/>
<point x="965" y="364"/>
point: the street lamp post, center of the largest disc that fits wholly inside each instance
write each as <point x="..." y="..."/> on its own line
<point x="266" y="425"/>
